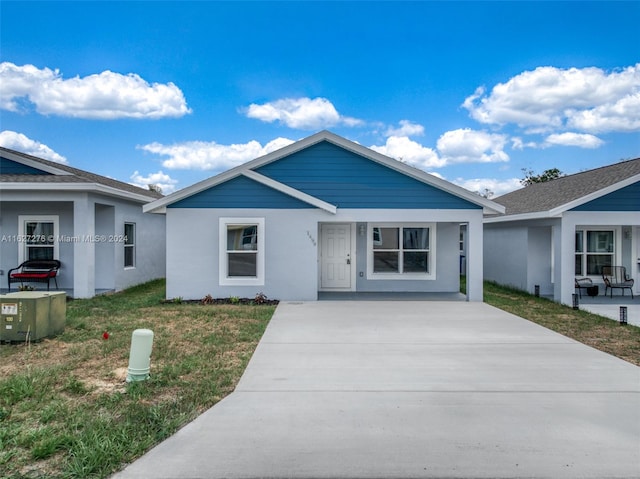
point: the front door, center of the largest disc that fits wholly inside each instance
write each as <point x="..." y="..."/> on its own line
<point x="335" y="260"/>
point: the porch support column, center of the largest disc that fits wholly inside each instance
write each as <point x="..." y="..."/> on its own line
<point x="474" y="258"/>
<point x="84" y="256"/>
<point x="566" y="261"/>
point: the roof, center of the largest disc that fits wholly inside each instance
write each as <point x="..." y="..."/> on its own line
<point x="57" y="175"/>
<point x="553" y="197"/>
<point x="249" y="170"/>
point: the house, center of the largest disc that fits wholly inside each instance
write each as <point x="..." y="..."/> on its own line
<point x="322" y="214"/>
<point x="569" y="227"/>
<point x="94" y="225"/>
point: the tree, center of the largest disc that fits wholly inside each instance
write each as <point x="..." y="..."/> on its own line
<point x="486" y="193"/>
<point x="155" y="188"/>
<point x="547" y="175"/>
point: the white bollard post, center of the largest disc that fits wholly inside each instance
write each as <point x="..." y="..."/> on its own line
<point x="140" y="355"/>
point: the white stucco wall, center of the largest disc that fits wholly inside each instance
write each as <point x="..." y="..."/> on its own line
<point x="291" y="254"/>
<point x="539" y="260"/>
<point x="505" y="255"/>
<point x="549" y="248"/>
<point x="87" y="265"/>
<point x="291" y="251"/>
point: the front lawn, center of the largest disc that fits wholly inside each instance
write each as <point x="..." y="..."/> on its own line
<point x="65" y="408"/>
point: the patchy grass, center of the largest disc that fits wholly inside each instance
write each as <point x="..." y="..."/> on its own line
<point x="66" y="411"/>
<point x="65" y="408"/>
<point x="596" y="331"/>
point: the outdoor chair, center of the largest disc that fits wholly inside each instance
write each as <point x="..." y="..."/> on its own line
<point x="616" y="277"/>
<point x="35" y="271"/>
<point x="583" y="283"/>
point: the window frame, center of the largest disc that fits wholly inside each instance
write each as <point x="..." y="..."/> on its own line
<point x="23" y="255"/>
<point x="585" y="253"/>
<point x="129" y="245"/>
<point x="258" y="239"/>
<point x="401" y="275"/>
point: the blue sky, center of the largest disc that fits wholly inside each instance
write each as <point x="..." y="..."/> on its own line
<point x="174" y="92"/>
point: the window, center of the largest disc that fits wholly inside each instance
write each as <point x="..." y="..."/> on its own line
<point x="593" y="250"/>
<point x="242" y="251"/>
<point x="129" y="245"/>
<point x="39" y="236"/>
<point x="401" y="252"/>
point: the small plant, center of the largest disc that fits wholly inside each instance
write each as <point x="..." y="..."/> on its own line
<point x="260" y="298"/>
<point x="234" y="300"/>
<point x="177" y="300"/>
<point x="208" y="299"/>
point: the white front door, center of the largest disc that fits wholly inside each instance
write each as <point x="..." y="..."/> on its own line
<point x="335" y="261"/>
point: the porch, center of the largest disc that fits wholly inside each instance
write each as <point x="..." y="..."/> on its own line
<point x="388" y="296"/>
<point x="610" y="307"/>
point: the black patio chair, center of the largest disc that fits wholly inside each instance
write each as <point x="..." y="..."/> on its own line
<point x="616" y="277"/>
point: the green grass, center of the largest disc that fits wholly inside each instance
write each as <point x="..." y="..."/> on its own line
<point x="65" y="409"/>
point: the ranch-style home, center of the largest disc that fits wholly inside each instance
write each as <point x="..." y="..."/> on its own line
<point x="567" y="228"/>
<point x="92" y="224"/>
<point x="323" y="214"/>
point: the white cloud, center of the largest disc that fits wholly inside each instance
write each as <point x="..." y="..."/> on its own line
<point x="301" y="113"/>
<point x="518" y="144"/>
<point x="202" y="155"/>
<point x="413" y="153"/>
<point x="497" y="187"/>
<point x="104" y="96"/>
<point x="24" y="144"/>
<point x="582" y="140"/>
<point x="161" y="179"/>
<point x="622" y="115"/>
<point x="588" y="99"/>
<point x="407" y="128"/>
<point x="470" y="146"/>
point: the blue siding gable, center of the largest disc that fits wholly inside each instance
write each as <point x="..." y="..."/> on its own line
<point x="240" y="192"/>
<point x="348" y="180"/>
<point x="624" y="199"/>
<point x="10" y="167"/>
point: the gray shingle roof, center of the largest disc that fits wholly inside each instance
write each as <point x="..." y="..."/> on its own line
<point x="76" y="176"/>
<point x="552" y="194"/>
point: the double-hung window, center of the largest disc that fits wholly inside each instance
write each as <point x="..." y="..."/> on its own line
<point x="129" y="245"/>
<point x="401" y="251"/>
<point x="39" y="237"/>
<point x="594" y="249"/>
<point x="242" y="251"/>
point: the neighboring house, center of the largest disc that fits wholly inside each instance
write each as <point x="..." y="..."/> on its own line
<point x="94" y="225"/>
<point x="570" y="227"/>
<point x="322" y="214"/>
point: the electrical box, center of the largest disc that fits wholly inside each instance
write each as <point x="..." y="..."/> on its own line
<point x="32" y="315"/>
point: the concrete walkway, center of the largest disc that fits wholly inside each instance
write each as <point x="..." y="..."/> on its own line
<point x="610" y="307"/>
<point x="413" y="389"/>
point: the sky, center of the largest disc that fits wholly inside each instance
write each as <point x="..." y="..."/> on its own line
<point x="171" y="93"/>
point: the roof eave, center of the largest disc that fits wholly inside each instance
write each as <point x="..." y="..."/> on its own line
<point x="519" y="217"/>
<point x="34" y="164"/>
<point x="76" y="187"/>
<point x="595" y="195"/>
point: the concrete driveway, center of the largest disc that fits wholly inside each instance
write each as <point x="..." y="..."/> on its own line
<point x="378" y="389"/>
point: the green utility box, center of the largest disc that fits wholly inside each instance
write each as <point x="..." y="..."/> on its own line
<point x="32" y="315"/>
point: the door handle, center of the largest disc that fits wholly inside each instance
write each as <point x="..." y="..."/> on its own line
<point x="348" y="260"/>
